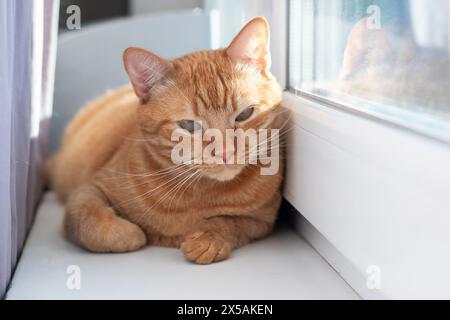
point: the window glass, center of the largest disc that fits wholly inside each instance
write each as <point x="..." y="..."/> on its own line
<point x="386" y="58"/>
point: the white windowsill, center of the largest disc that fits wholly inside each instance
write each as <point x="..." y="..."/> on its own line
<point x="282" y="266"/>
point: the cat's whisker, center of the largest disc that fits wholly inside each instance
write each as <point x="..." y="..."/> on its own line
<point x="255" y="150"/>
<point x="147" y="174"/>
<point x="193" y="183"/>
<point x="148" y="193"/>
<point x="172" y="186"/>
<point x="146" y="179"/>
<point x="133" y="184"/>
<point x="181" y="186"/>
<point x="194" y="177"/>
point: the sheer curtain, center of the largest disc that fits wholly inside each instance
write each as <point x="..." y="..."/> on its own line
<point x="27" y="55"/>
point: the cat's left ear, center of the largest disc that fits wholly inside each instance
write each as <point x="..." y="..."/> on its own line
<point x="145" y="70"/>
<point x="251" y="45"/>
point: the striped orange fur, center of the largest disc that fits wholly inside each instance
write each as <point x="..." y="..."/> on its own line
<point x="114" y="169"/>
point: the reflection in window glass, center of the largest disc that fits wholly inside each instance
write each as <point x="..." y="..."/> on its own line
<point x="387" y="58"/>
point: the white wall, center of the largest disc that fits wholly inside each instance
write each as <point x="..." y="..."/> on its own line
<point x="146" y="6"/>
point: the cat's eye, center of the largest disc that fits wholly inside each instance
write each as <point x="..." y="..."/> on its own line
<point x="245" y="115"/>
<point x="190" y="125"/>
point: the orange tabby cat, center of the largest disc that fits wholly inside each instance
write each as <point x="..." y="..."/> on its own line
<point x="114" y="169"/>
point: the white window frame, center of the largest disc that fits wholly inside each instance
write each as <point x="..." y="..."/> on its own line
<point x="374" y="197"/>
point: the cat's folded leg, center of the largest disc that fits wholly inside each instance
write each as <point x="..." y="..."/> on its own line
<point x="93" y="224"/>
<point x="220" y="235"/>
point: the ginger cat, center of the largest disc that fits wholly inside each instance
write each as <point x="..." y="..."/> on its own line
<point x="114" y="169"/>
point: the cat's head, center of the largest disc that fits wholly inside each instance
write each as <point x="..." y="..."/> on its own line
<point x="387" y="66"/>
<point x="380" y="50"/>
<point x="217" y="89"/>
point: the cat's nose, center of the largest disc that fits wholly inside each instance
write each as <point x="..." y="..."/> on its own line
<point x="226" y="155"/>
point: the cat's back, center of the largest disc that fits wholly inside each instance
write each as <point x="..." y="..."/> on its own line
<point x="91" y="139"/>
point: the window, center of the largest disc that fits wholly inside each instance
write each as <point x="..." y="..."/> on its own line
<point x="378" y="193"/>
<point x="387" y="59"/>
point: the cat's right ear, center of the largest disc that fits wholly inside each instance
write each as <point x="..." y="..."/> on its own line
<point x="251" y="45"/>
<point x="145" y="71"/>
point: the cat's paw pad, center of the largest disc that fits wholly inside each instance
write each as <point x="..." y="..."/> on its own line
<point x="205" y="247"/>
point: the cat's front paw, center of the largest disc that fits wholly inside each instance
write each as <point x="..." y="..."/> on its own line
<point x="205" y="247"/>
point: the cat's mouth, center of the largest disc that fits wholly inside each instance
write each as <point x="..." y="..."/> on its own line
<point x="222" y="172"/>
